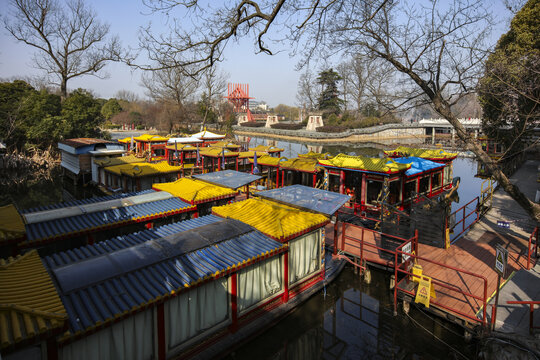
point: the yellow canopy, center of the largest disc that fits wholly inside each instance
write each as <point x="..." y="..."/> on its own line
<point x="267" y="160"/>
<point x="151" y="138"/>
<point x="125" y="140"/>
<point x="225" y="144"/>
<point x="195" y="191"/>
<point x="300" y="164"/>
<point x="278" y="221"/>
<point x="430" y="154"/>
<point x="141" y="169"/>
<point x="216" y="152"/>
<point x="384" y="165"/>
<point x="118" y="160"/>
<point x="315" y="155"/>
<point x="11" y="224"/>
<point x="268" y="149"/>
<point x="185" y="147"/>
<point x="29" y="303"/>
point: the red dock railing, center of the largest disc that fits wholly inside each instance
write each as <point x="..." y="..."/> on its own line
<point x="452" y="288"/>
<point x="464" y="216"/>
<point x="531" y="312"/>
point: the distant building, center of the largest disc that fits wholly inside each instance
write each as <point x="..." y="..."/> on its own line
<point x="258" y="106"/>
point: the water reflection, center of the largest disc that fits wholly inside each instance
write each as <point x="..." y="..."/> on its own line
<point x="355" y="321"/>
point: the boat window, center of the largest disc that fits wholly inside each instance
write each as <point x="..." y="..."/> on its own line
<point x="353" y="185"/>
<point x="448" y="174"/>
<point x="395" y="191"/>
<point x="374" y="187"/>
<point x="410" y="187"/>
<point x="436" y="180"/>
<point x="333" y="182"/>
<point x="424" y="185"/>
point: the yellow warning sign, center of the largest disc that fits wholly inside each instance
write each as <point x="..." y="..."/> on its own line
<point x="423" y="292"/>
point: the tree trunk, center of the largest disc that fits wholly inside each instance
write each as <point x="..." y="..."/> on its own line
<point x="63" y="88"/>
<point x="533" y="209"/>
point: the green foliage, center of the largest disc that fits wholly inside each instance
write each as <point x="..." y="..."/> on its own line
<point x="82" y="113"/>
<point x="509" y="90"/>
<point x="111" y="108"/>
<point x="329" y="102"/>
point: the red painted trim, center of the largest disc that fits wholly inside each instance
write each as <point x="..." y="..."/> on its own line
<point x="162" y="347"/>
<point x="286" y="276"/>
<point x="234" y="302"/>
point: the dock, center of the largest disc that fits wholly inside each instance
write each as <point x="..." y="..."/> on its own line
<point x="463" y="276"/>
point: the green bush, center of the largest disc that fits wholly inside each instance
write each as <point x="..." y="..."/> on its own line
<point x="253" y="124"/>
<point x="139" y="127"/>
<point x="287" y="126"/>
<point x="331" y="129"/>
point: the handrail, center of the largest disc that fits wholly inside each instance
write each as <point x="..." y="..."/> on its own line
<point x="466" y="216"/>
<point x="531" y="304"/>
<point x="534" y="232"/>
<point x="441" y="284"/>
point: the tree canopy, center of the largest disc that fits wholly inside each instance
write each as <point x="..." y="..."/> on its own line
<point x="329" y="101"/>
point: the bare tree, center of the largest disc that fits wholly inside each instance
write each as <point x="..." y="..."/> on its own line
<point x="437" y="48"/>
<point x="70" y="40"/>
<point x="213" y="83"/>
<point x="307" y="91"/>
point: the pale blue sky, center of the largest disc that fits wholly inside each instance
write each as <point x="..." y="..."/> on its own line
<point x="271" y="78"/>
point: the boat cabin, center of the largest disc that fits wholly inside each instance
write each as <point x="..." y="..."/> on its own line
<point x="140" y="175"/>
<point x="271" y="150"/>
<point x="268" y="166"/>
<point x="371" y="181"/>
<point x="208" y="137"/>
<point x="301" y="171"/>
<point x="153" y="144"/>
<point x="217" y="159"/>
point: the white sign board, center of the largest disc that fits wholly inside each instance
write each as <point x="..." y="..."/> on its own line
<point x="501" y="258"/>
<point x="407" y="248"/>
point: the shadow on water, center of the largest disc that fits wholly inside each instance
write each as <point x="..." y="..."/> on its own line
<point x="352" y="320"/>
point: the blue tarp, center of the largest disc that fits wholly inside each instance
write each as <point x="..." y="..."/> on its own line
<point x="228" y="178"/>
<point x="304" y="197"/>
<point x="418" y="165"/>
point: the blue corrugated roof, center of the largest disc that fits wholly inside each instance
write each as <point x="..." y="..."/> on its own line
<point x="85" y="222"/>
<point x="102" y="297"/>
<point x="83" y="201"/>
<point x="228" y="178"/>
<point x="418" y="165"/>
<point x="304" y="197"/>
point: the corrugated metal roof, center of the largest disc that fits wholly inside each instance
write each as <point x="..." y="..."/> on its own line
<point x="117" y="160"/>
<point x="143" y="169"/>
<point x="367" y="164"/>
<point x="431" y="154"/>
<point x="195" y="191"/>
<point x="84" y="201"/>
<point x="267" y="160"/>
<point x="80" y="142"/>
<point x="278" y="221"/>
<point x="300" y="164"/>
<point x="418" y="165"/>
<point x="29" y="304"/>
<point x="103" y="300"/>
<point x="96" y="221"/>
<point x="228" y="178"/>
<point x="305" y="197"/>
<point x="11" y="224"/>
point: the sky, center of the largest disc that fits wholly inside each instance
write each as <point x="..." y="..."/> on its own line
<point x="272" y="79"/>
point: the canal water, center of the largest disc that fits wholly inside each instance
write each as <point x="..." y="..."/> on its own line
<point x="348" y="319"/>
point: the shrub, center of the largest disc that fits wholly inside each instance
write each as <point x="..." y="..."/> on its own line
<point x="252" y="124"/>
<point x="287" y="126"/>
<point x="139" y="127"/>
<point x="331" y="129"/>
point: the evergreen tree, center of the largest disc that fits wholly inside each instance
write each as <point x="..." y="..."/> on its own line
<point x="329" y="101"/>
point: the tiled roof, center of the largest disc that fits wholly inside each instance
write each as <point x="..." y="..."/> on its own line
<point x="268" y="160"/>
<point x="268" y="149"/>
<point x="299" y="164"/>
<point x="11" y="224"/>
<point x="29" y="304"/>
<point x="363" y="163"/>
<point x="117" y="160"/>
<point x="80" y="142"/>
<point x="151" y="138"/>
<point x="101" y="220"/>
<point x="225" y="144"/>
<point x="315" y="155"/>
<point x="248" y="154"/>
<point x="140" y="169"/>
<point x="195" y="191"/>
<point x="430" y="154"/>
<point x="176" y="257"/>
<point x="217" y="152"/>
<point x="182" y="147"/>
<point x="278" y="221"/>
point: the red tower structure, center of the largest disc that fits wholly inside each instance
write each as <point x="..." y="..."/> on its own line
<point x="238" y="96"/>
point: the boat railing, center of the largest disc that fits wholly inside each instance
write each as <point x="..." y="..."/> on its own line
<point x="531" y="304"/>
<point x="452" y="286"/>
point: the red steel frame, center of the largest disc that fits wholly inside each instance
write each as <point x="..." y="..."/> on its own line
<point x="238" y="96"/>
<point x="465" y="216"/>
<point x="398" y="269"/>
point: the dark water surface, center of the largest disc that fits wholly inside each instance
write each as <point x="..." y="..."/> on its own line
<point x="349" y="320"/>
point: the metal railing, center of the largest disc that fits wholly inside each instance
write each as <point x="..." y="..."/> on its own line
<point x="531" y="312"/>
<point x="402" y="269"/>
